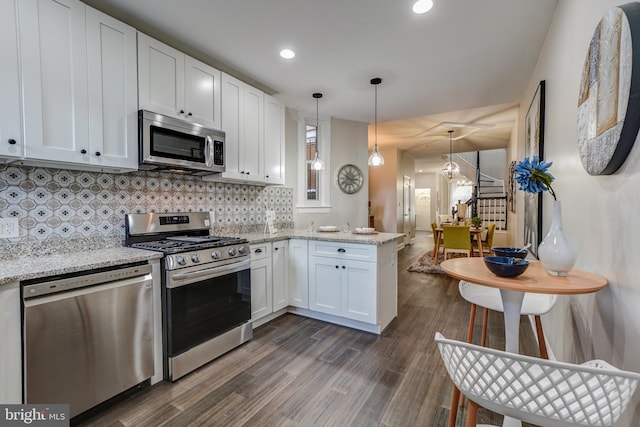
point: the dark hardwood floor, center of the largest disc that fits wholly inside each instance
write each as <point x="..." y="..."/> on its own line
<point x="303" y="372"/>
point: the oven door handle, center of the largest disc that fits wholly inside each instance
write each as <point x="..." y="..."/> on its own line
<point x="209" y="273"/>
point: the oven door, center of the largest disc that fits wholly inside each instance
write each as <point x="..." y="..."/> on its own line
<point x="203" y="302"/>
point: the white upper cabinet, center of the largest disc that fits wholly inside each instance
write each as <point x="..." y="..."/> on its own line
<point x="79" y="87"/>
<point x="113" y="91"/>
<point x="10" y="134"/>
<point x="274" y="113"/>
<point x="176" y="85"/>
<point x="54" y="80"/>
<point x="242" y="115"/>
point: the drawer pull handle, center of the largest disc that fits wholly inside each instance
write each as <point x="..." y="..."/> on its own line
<point x="258" y="251"/>
<point x="337" y="266"/>
<point x="342" y="250"/>
<point x="275" y="249"/>
<point x="343" y="267"/>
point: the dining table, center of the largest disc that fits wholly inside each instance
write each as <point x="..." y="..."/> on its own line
<point x="535" y="279"/>
<point x="476" y="233"/>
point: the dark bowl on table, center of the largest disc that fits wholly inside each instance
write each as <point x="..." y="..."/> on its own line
<point x="506" y="266"/>
<point x="511" y="252"/>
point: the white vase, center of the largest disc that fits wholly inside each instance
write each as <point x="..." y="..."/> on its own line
<point x="556" y="252"/>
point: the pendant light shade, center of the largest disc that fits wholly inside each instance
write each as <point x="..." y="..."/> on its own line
<point x="317" y="164"/>
<point x="450" y="170"/>
<point x="376" y="159"/>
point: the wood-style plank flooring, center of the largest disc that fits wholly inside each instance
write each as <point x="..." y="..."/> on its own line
<point x="303" y="372"/>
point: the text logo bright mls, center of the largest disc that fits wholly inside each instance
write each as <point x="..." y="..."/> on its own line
<point x="34" y="415"/>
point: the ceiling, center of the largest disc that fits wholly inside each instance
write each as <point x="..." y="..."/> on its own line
<point x="465" y="61"/>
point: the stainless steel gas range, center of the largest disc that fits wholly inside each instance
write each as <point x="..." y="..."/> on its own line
<point x="206" y="287"/>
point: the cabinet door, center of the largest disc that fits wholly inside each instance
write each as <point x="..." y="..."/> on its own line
<point x="113" y="91"/>
<point x="359" y="291"/>
<point x="232" y="104"/>
<point x="324" y="285"/>
<point x="10" y="133"/>
<point x="261" y="288"/>
<point x="160" y="77"/>
<point x="54" y="80"/>
<point x="298" y="273"/>
<point x="11" y="348"/>
<point x="280" y="263"/>
<point x="201" y="93"/>
<point x="274" y="115"/>
<point x="252" y="143"/>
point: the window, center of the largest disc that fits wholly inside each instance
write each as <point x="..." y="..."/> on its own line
<point x="314" y="186"/>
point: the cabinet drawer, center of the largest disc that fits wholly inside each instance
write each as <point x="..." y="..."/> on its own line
<point x="350" y="251"/>
<point x="260" y="251"/>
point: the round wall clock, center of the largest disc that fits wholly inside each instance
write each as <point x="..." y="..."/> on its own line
<point x="349" y="179"/>
<point x="608" y="108"/>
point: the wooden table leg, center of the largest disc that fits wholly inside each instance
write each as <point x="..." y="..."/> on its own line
<point x="436" y="250"/>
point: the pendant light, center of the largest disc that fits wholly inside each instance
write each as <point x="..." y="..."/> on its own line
<point x="317" y="164"/>
<point x="450" y="169"/>
<point x="376" y="159"/>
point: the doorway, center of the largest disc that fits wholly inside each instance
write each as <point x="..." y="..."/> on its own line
<point x="423" y="209"/>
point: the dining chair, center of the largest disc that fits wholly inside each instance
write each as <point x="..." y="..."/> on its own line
<point x="487" y="243"/>
<point x="537" y="391"/>
<point x="533" y="304"/>
<point x="457" y="239"/>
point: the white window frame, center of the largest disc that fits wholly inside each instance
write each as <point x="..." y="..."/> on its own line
<point x="324" y="149"/>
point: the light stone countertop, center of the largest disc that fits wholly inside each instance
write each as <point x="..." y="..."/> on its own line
<point x="15" y="270"/>
<point x="37" y="266"/>
<point x="368" y="239"/>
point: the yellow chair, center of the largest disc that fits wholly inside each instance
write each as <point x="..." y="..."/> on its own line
<point x="457" y="239"/>
<point x="487" y="244"/>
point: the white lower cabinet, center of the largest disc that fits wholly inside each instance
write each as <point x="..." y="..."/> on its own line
<point x="11" y="348"/>
<point x="261" y="281"/>
<point x="343" y="288"/>
<point x="279" y="265"/>
<point x="299" y="273"/>
<point x="348" y="284"/>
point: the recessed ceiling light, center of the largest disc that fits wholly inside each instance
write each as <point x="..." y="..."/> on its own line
<point x="422" y="6"/>
<point x="287" y="53"/>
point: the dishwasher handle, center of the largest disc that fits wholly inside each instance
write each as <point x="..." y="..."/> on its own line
<point x="146" y="280"/>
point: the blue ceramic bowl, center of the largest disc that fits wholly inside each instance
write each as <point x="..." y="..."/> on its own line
<point x="506" y="266"/>
<point x="511" y="252"/>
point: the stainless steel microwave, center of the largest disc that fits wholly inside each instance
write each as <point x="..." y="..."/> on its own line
<point x="174" y="145"/>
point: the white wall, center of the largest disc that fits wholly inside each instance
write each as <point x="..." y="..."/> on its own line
<point x="348" y="145"/>
<point x="600" y="213"/>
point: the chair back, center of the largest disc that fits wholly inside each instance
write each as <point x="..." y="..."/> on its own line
<point x="457" y="237"/>
<point x="490" y="231"/>
<point x="538" y="391"/>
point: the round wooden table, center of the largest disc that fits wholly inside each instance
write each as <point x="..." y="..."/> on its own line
<point x="512" y="289"/>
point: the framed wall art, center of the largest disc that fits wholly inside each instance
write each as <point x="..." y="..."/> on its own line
<point x="608" y="108"/>
<point x="534" y="146"/>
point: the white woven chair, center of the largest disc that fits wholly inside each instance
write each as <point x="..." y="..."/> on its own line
<point x="538" y="391"/>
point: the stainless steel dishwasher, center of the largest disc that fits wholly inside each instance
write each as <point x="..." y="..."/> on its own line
<point x="87" y="337"/>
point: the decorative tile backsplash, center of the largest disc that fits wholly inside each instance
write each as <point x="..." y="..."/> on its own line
<point x="61" y="204"/>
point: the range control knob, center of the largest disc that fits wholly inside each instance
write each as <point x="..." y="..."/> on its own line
<point x="215" y="254"/>
<point x="180" y="260"/>
<point x="195" y="258"/>
<point x="232" y="251"/>
<point x="241" y="250"/>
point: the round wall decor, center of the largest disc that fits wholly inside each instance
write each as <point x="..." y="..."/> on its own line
<point x="349" y="179"/>
<point x="609" y="99"/>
